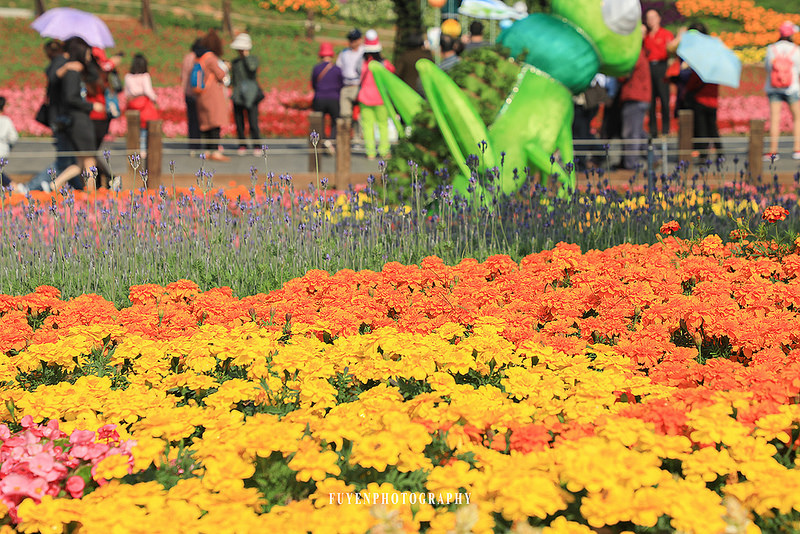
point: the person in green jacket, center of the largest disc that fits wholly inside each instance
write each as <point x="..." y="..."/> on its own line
<point x="246" y="92"/>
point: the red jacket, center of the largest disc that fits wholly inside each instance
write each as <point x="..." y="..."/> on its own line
<point x="655" y="46"/>
<point x="637" y="87"/>
<point x="706" y="94"/>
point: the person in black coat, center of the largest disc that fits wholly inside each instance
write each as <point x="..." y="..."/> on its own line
<point x="74" y="118"/>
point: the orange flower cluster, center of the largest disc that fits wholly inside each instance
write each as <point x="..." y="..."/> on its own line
<point x="760" y="25"/>
<point x="316" y="6"/>
<point x="774" y="214"/>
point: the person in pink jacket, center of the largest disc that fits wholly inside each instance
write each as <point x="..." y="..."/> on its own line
<point x="141" y="96"/>
<point x="212" y="104"/>
<point x="370" y="101"/>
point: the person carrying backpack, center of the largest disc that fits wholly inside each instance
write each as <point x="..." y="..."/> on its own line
<point x="370" y="100"/>
<point x="783" y="85"/>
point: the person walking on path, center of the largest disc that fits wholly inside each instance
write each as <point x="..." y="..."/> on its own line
<point x="190" y="97"/>
<point x="327" y="82"/>
<point x="783" y="85"/>
<point x="212" y="104"/>
<point x="141" y="97"/>
<point x="246" y="92"/>
<point x="369" y="98"/>
<point x="635" y="93"/>
<point x="8" y="136"/>
<point x="655" y="45"/>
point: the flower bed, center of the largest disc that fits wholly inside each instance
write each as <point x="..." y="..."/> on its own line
<point x="640" y="386"/>
<point x="279" y="114"/>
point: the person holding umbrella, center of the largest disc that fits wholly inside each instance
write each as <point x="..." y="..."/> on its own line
<point x="783" y="85"/>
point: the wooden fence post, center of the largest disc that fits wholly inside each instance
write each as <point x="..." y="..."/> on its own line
<point x="226" y="18"/>
<point x="685" y="135"/>
<point x="147" y="15"/>
<point x="154" y="154"/>
<point x="38" y="7"/>
<point x="131" y="147"/>
<point x="316" y="123"/>
<point x="755" y="148"/>
<point x="343" y="155"/>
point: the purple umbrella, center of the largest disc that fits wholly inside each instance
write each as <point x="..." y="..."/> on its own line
<point x="64" y="22"/>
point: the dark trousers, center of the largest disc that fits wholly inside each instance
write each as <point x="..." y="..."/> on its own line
<point x="192" y="123"/>
<point x="658" y="71"/>
<point x="705" y="125"/>
<point x="210" y="138"/>
<point x="330" y="107"/>
<point x="633" y="128"/>
<point x="582" y="129"/>
<point x="252" y="119"/>
<point x="100" y="131"/>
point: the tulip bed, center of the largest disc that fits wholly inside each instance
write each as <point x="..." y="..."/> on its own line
<point x="643" y="388"/>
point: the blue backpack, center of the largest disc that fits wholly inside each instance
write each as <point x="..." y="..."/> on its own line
<point x="197" y="80"/>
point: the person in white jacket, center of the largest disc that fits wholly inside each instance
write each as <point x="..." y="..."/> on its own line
<point x="8" y="136"/>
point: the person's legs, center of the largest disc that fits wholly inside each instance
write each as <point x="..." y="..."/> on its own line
<point x="192" y="124"/>
<point x="238" y="117"/>
<point x="382" y="116"/>
<point x="794" y="107"/>
<point x="660" y="93"/>
<point x="252" y="119"/>
<point x="368" y="117"/>
<point x="633" y="114"/>
<point x="774" y="124"/>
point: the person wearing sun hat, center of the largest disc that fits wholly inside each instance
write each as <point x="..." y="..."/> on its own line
<point x="327" y="82"/>
<point x="783" y="85"/>
<point x="246" y="92"/>
<point x="370" y="100"/>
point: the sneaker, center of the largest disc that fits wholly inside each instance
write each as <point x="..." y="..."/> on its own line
<point x="241" y="151"/>
<point x="796" y="154"/>
<point x="771" y="157"/>
<point x="257" y="152"/>
<point x="329" y="147"/>
<point x="116" y="183"/>
<point x="21" y="188"/>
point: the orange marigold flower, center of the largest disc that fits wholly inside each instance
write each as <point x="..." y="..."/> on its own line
<point x="670" y="227"/>
<point x="736" y="235"/>
<point x="774" y="214"/>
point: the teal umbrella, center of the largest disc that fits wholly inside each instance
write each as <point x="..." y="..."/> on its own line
<point x="710" y="59"/>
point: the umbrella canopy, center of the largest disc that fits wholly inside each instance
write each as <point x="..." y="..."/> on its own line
<point x="490" y="9"/>
<point x="710" y="59"/>
<point x="64" y="22"/>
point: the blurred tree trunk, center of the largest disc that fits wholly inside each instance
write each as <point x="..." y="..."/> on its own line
<point x="147" y="15"/>
<point x="226" y="17"/>
<point x="38" y="7"/>
<point x="409" y="22"/>
<point x="309" y="23"/>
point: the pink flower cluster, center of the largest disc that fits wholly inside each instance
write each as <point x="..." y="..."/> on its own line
<point x="277" y="116"/>
<point x="41" y="460"/>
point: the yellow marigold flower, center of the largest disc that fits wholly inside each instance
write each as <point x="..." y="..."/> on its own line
<point x="377" y="450"/>
<point x="313" y="464"/>
<point x="714" y="424"/>
<point x="51" y="515"/>
<point x="707" y="464"/>
<point x="114" y="466"/>
<point x="775" y="426"/>
<point x="561" y="525"/>
<point x="452" y="477"/>
<point x="514" y="500"/>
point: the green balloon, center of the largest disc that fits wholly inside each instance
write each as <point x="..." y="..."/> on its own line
<point x="554" y="46"/>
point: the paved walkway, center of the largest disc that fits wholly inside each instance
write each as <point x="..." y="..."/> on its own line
<point x="291" y="156"/>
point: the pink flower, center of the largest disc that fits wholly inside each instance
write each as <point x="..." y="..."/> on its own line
<point x="108" y="433"/>
<point x="5" y="433"/>
<point x="27" y="422"/>
<point x="75" y="486"/>
<point x="17" y="484"/>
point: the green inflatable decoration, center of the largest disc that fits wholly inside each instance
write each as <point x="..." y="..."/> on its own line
<point x="562" y="53"/>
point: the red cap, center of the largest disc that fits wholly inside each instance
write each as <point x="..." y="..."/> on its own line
<point x="326" y="50"/>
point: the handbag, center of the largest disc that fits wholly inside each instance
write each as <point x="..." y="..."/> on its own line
<point x="43" y="115"/>
<point x="112" y="103"/>
<point x="259" y="97"/>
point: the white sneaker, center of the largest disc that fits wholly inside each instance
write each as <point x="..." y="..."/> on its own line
<point x="116" y="183"/>
<point x="22" y="189"/>
<point x="796" y="155"/>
